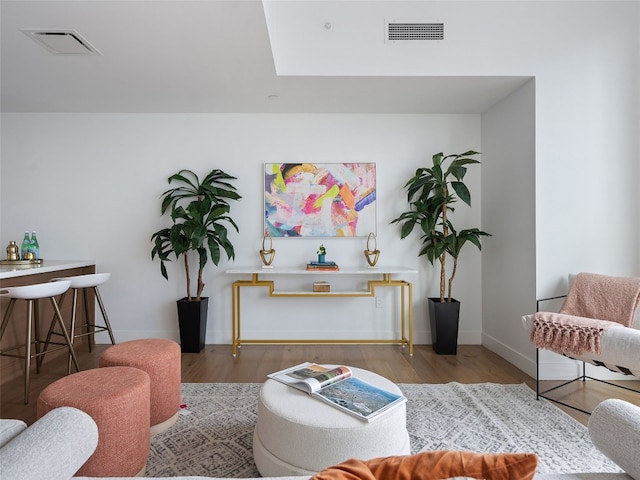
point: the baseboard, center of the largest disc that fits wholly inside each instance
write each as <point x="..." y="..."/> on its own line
<point x="222" y="337"/>
<point x="523" y="362"/>
<point x="552" y="366"/>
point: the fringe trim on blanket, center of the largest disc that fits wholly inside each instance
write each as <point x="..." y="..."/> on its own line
<point x="568" y="334"/>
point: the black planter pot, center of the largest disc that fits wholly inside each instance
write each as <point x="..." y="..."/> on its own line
<point x="444" y="317"/>
<point x="192" y="319"/>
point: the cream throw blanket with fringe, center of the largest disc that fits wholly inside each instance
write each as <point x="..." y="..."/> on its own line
<point x="594" y="304"/>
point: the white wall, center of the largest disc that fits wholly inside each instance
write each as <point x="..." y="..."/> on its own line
<point x="90" y="185"/>
<point x="585" y="171"/>
<point x="587" y="157"/>
<point x="508" y="213"/>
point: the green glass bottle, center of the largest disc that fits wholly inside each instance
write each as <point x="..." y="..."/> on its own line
<point x="26" y="245"/>
<point x="35" y="247"/>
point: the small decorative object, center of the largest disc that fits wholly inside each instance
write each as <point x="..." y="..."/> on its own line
<point x="13" y="251"/>
<point x="322" y="254"/>
<point x="269" y="254"/>
<point x="370" y="254"/>
<point x="321" y="287"/>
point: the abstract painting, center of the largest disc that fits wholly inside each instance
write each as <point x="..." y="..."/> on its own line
<point x="319" y="199"/>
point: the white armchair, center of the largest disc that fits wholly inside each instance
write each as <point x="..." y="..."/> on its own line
<point x="618" y="343"/>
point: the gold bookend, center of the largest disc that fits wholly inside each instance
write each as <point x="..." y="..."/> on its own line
<point x="267" y="254"/>
<point x="370" y="254"/>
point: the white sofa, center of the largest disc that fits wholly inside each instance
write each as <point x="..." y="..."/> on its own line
<point x="57" y="445"/>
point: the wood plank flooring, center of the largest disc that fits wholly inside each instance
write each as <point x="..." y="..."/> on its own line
<point x="472" y="364"/>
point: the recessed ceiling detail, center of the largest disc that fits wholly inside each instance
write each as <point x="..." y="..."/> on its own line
<point x="414" y="31"/>
<point x="62" y="42"/>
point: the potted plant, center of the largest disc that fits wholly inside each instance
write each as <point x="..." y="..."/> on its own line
<point x="322" y="253"/>
<point x="431" y="192"/>
<point x="200" y="215"/>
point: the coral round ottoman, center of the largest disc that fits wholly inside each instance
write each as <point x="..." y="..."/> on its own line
<point x="118" y="401"/>
<point x="297" y="434"/>
<point x="161" y="360"/>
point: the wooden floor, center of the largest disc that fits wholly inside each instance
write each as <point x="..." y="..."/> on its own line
<point x="472" y="364"/>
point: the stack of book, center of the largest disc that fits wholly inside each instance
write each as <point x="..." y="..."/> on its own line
<point x="322" y="266"/>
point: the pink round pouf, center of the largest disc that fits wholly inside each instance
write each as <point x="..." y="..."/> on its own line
<point x="118" y="401"/>
<point x="161" y="360"/>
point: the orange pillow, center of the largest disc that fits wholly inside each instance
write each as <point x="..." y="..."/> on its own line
<point x="436" y="465"/>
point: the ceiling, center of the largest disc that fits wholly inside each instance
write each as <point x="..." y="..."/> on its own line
<point x="206" y="56"/>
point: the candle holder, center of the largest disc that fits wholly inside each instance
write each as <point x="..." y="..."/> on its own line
<point x="370" y="254"/>
<point x="267" y="254"/>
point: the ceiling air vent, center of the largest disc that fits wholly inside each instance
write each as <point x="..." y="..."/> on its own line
<point x="414" y="31"/>
<point x="62" y="42"/>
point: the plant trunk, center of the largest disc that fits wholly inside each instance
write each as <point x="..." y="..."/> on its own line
<point x="442" y="276"/>
<point x="186" y="270"/>
<point x="453" y="274"/>
<point x="200" y="285"/>
<point x="445" y="232"/>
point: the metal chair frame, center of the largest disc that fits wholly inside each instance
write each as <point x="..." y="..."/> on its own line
<point x="584" y="377"/>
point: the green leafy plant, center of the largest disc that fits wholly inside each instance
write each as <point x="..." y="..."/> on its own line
<point x="321" y="250"/>
<point x="200" y="215"/>
<point x="431" y="192"/>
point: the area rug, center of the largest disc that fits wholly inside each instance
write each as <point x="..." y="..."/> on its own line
<point x="214" y="432"/>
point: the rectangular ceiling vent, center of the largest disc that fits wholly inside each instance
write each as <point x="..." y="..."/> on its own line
<point x="414" y="31"/>
<point x="62" y="42"/>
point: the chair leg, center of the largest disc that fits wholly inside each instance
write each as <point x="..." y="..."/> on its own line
<point x="537" y="374"/>
<point x="104" y="315"/>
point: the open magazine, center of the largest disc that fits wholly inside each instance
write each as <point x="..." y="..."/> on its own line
<point x="338" y="387"/>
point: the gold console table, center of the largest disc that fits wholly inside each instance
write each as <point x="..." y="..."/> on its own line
<point x="385" y="279"/>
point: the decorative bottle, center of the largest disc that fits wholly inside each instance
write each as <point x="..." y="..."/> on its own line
<point x="25" y="247"/>
<point x="13" y="252"/>
<point x="35" y="247"/>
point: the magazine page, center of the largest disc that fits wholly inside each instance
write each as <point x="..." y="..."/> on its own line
<point x="310" y="377"/>
<point x="360" y="398"/>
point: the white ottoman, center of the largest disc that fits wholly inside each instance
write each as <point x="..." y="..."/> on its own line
<point x="297" y="434"/>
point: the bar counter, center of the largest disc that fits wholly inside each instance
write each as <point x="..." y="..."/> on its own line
<point x="19" y="275"/>
<point x="47" y="266"/>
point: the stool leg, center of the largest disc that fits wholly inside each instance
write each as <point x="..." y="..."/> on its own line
<point x="87" y="323"/>
<point x="7" y="315"/>
<point x="64" y="332"/>
<point x="50" y="332"/>
<point x="27" y="355"/>
<point x="36" y="331"/>
<point x="72" y="331"/>
<point x="104" y="315"/>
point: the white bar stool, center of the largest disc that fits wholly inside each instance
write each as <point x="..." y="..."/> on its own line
<point x="32" y="293"/>
<point x="83" y="282"/>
